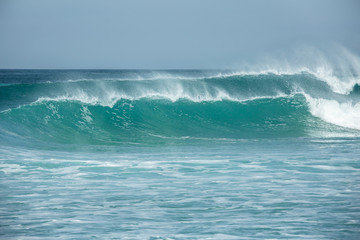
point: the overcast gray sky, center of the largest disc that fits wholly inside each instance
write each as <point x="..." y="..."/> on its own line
<point x="163" y="34"/>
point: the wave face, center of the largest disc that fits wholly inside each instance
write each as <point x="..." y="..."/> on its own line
<point x="112" y="107"/>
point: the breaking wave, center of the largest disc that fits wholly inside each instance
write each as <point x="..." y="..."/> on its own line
<point x="198" y="105"/>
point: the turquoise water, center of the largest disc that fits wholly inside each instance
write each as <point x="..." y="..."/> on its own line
<point x="128" y="154"/>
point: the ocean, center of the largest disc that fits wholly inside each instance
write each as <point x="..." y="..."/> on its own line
<point x="179" y="154"/>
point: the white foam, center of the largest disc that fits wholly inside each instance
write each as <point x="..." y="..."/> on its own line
<point x="344" y="114"/>
<point x="106" y="95"/>
<point x="12" y="168"/>
<point x="110" y="98"/>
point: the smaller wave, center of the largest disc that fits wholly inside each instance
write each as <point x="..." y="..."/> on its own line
<point x="336" y="66"/>
<point x="339" y="84"/>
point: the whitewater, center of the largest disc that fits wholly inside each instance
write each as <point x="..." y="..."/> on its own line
<point x="180" y="154"/>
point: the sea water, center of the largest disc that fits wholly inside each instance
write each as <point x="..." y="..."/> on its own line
<point x="191" y="154"/>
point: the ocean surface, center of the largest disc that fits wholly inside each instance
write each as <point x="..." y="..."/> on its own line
<point x="179" y="154"/>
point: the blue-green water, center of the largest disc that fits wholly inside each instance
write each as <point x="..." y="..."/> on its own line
<point x="131" y="154"/>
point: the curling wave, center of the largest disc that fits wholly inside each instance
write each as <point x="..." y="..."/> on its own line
<point x="232" y="106"/>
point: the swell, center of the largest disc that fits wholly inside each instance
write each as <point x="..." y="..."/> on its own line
<point x="229" y="106"/>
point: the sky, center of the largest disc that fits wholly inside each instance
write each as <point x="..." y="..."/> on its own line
<point x="167" y="34"/>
